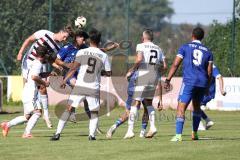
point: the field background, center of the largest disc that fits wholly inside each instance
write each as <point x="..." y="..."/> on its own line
<point x="220" y="142"/>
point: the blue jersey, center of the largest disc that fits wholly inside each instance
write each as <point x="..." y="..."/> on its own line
<point x="196" y="58"/>
<point x="67" y="53"/>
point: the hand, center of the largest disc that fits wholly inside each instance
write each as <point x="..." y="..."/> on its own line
<point x="115" y="45"/>
<point x="47" y="83"/>
<point x="160" y="106"/>
<point x="19" y="57"/>
<point x="167" y="85"/>
<point x="63" y="85"/>
<point x="53" y="73"/>
<point x="223" y="93"/>
<point x="128" y="75"/>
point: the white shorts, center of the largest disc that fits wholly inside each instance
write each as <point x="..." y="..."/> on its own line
<point x="30" y="100"/>
<point x="93" y="102"/>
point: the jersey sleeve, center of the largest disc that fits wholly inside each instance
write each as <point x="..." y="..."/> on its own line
<point x="62" y="53"/>
<point x="139" y="48"/>
<point x="162" y="56"/>
<point x="79" y="55"/>
<point x="210" y="60"/>
<point x="181" y="52"/>
<point x="107" y="65"/>
<point x="216" y="72"/>
<point x="41" y="33"/>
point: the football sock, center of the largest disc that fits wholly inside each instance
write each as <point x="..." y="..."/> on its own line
<point x="32" y="122"/>
<point x="62" y="121"/>
<point x="151" y="114"/>
<point x="144" y="125"/>
<point x="131" y="118"/>
<point x="179" y="125"/>
<point x="118" y="122"/>
<point x="196" y="120"/>
<point x="93" y="124"/>
<point x="16" y="121"/>
<point x="44" y="102"/>
<point x="204" y="115"/>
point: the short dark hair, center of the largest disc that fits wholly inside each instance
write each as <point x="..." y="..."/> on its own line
<point x="69" y="30"/>
<point x="80" y="33"/>
<point x="41" y="51"/>
<point x="149" y="33"/>
<point x="95" y="36"/>
<point x="198" y="33"/>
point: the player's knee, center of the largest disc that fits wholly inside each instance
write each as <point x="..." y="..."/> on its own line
<point x="38" y="111"/>
<point x="70" y="108"/>
<point x="27" y="116"/>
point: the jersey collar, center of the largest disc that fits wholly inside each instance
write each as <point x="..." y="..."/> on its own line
<point x="197" y="41"/>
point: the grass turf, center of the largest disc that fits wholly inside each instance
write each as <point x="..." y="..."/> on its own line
<point x="221" y="142"/>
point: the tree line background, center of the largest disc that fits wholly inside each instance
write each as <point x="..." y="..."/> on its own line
<point x="21" y="18"/>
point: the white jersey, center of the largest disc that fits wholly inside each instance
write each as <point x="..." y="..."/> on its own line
<point x="152" y="54"/>
<point x="92" y="61"/>
<point x="34" y="70"/>
<point x="44" y="38"/>
<point x="30" y="87"/>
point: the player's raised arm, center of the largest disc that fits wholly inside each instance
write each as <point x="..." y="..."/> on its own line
<point x="25" y="44"/>
<point x="113" y="46"/>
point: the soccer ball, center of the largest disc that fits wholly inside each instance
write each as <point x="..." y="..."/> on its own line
<point x="80" y="22"/>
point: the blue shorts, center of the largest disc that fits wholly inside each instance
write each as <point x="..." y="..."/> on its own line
<point x="187" y="93"/>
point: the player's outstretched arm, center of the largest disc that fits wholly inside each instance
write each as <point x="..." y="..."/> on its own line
<point x="25" y="44"/>
<point x="172" y="71"/>
<point x="111" y="47"/>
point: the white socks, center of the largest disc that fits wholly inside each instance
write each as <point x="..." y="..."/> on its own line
<point x="93" y="124"/>
<point x="131" y="118"/>
<point x="32" y="122"/>
<point x="151" y="114"/>
<point x="62" y="121"/>
<point x="17" y="120"/>
<point x="44" y="102"/>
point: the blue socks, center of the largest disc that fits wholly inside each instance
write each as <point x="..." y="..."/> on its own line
<point x="179" y="125"/>
<point x="118" y="122"/>
<point x="144" y="125"/>
<point x="196" y="120"/>
<point x="204" y="116"/>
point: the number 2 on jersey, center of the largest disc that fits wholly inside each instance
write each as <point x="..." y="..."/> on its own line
<point x="91" y="65"/>
<point x="197" y="57"/>
<point x="153" y="58"/>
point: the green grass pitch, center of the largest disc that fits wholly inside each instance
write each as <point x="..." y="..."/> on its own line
<point x="221" y="142"/>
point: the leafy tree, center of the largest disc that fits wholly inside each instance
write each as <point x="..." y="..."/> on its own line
<point x="219" y="40"/>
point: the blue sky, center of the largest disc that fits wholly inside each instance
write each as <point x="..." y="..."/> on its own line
<point x="202" y="11"/>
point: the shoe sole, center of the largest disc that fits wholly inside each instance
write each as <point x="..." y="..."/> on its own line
<point x="152" y="135"/>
